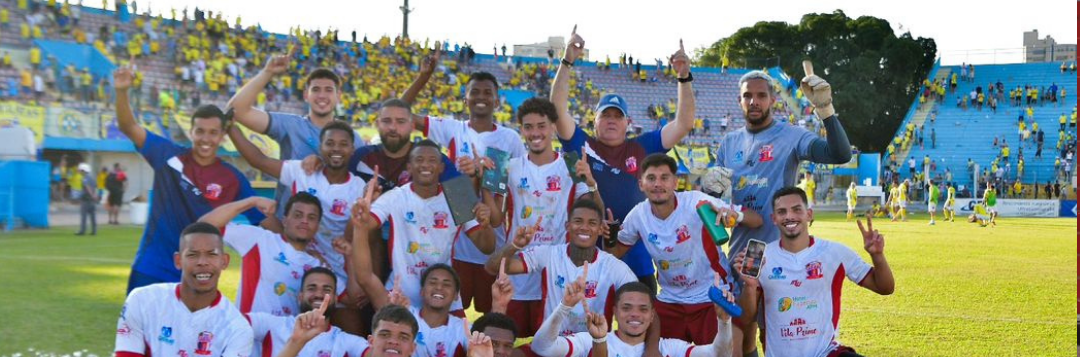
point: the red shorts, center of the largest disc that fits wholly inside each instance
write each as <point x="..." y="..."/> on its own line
<point x="695" y="323"/>
<point x="527" y="316"/>
<point x="843" y="351"/>
<point x="475" y="286"/>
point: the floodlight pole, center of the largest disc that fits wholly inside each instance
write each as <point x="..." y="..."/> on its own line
<point x="405" y="10"/>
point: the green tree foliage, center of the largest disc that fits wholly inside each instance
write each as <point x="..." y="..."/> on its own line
<point x="875" y="75"/>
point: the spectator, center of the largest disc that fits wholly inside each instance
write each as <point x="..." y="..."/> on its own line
<point x="88" y="198"/>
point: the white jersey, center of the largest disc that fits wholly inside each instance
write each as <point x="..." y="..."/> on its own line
<point x="154" y="322"/>
<point x="444" y="341"/>
<point x="461" y="139"/>
<point x="270" y="270"/>
<point x="540" y="191"/>
<point x="606" y="274"/>
<point x="681" y="247"/>
<point x="801" y="294"/>
<point x="272" y="332"/>
<point x="336" y="199"/>
<point x="580" y="344"/>
<point x="422" y="234"/>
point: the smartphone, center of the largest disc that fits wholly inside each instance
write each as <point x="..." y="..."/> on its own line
<point x="755" y="251"/>
<point x="571" y="158"/>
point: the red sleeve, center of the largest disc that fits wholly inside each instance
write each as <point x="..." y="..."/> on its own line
<point x="128" y="354"/>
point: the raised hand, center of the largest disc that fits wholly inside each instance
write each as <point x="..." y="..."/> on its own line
<point x="396" y="297"/>
<point x="265" y="205"/>
<point x="680" y="62"/>
<point x="575" y="291"/>
<point x="280" y="63"/>
<point x="479" y="343"/>
<point x="720" y="313"/>
<point x="575" y="48"/>
<point x="311" y="323"/>
<point x="123" y="77"/>
<point x="468" y="165"/>
<point x="873" y="241"/>
<point x="502" y="291"/>
<point x="525" y="234"/>
<point x="605" y="228"/>
<point x="582" y="169"/>
<point x="311" y="164"/>
<point x="483" y="214"/>
<point x="342" y="246"/>
<point x="428" y="65"/>
<point x="817" y="91"/>
<point x="361" y="210"/>
<point x="596" y="323"/>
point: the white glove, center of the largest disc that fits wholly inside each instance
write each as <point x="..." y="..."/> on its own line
<point x="818" y="92"/>
<point x="717" y="180"/>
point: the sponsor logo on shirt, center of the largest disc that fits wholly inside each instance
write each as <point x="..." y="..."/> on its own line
<point x="554" y="183"/>
<point x="418" y="268"/>
<point x="123" y="312"/>
<point x="420" y="338"/>
<point x="410" y="217"/>
<point x="524" y="183"/>
<point x="323" y="353"/>
<point x="777" y="274"/>
<point x="313" y="191"/>
<point x="765" y="155"/>
<point x="677" y="263"/>
<point x="166" y="335"/>
<point x="440" y="349"/>
<point x="682" y="281"/>
<point x="123" y="330"/>
<point x="796" y="302"/>
<point x="338" y="207"/>
<point x="739" y="156"/>
<point x="203" y="347"/>
<point x="280" y="288"/>
<point x="282" y="259"/>
<point x="750" y="181"/>
<point x="440" y="220"/>
<point x="813" y="270"/>
<point x="526" y="212"/>
<point x="798" y="332"/>
<point x="797" y="322"/>
<point x="182" y="353"/>
<point x="560" y="281"/>
<point x="796" y="283"/>
<point x="213" y="192"/>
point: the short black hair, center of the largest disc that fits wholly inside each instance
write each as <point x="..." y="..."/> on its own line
<point x="441" y="266"/>
<point x="537" y="105"/>
<point x="588" y="204"/>
<point x="209" y="111"/>
<point x="337" y="125"/>
<point x="396" y="314"/>
<point x="789" y="190"/>
<point x="496" y="320"/>
<point x="483" y="76"/>
<point x="425" y="143"/>
<point x="200" y="228"/>
<point x="305" y="198"/>
<point x="633" y="287"/>
<point x="659" y="159"/>
<point x="395" y="103"/>
<point x="319" y="270"/>
<point x="322" y="73"/>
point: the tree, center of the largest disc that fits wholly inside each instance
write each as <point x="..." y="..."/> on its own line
<point x="875" y="75"/>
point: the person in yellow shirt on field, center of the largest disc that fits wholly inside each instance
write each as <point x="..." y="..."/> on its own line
<point x="808" y="185"/>
<point x="901" y="199"/>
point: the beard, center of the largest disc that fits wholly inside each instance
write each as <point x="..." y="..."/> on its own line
<point x="765" y="114"/>
<point x="393" y="145"/>
<point x="305" y="307"/>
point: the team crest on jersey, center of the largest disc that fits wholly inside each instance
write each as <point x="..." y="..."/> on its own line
<point x="631" y="164"/>
<point x="683" y="234"/>
<point x="440" y="220"/>
<point x="166" y="335"/>
<point x="765" y="155"/>
<point x="203" y="347"/>
<point x="339" y="206"/>
<point x="590" y="289"/>
<point x="554" y="183"/>
<point x="282" y="259"/>
<point x="280" y="288"/>
<point x="418" y="268"/>
<point x="813" y="270"/>
<point x="212" y="192"/>
<point x="440" y="349"/>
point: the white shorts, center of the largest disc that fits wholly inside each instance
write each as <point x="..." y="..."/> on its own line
<point x="948" y="205"/>
<point x="902" y="204"/>
<point x="931" y="208"/>
<point x="850" y="206"/>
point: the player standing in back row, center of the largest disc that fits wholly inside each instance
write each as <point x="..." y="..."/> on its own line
<point x="765" y="154"/>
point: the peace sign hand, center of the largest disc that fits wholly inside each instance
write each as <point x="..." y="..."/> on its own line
<point x="311" y="323"/>
<point x="575" y="48"/>
<point x="428" y="65"/>
<point x="873" y="241"/>
<point x="680" y="62"/>
<point x="396" y="297"/>
<point x="525" y="234"/>
<point x="123" y="77"/>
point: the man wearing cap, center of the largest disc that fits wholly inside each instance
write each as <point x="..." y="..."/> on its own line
<point x="613" y="157"/>
<point x="87" y="199"/>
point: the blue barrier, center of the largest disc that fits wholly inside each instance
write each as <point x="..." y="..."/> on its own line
<point x="1068" y="208"/>
<point x="78" y="56"/>
<point x="24" y="193"/>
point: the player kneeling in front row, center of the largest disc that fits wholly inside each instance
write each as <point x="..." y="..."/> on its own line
<point x="634" y="314"/>
<point x="804" y="276"/>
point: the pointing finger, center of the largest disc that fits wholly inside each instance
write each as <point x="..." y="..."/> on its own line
<point x="325" y="304"/>
<point x="681" y="49"/>
<point x="585" y="273"/>
<point x="808" y="67"/>
<point x="502" y="268"/>
<point x="574" y="31"/>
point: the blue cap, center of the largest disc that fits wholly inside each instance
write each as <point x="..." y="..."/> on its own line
<point x="612" y="100"/>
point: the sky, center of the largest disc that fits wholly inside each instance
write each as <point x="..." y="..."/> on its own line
<point x="979" y="32"/>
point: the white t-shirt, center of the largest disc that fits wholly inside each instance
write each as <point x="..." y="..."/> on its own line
<point x="422" y="233"/>
<point x="539" y="191"/>
<point x="155" y="322"/>
<point x="580" y="344"/>
<point x="801" y="294"/>
<point x="606" y="273"/>
<point x="272" y="332"/>
<point x="458" y="138"/>
<point x="336" y="199"/>
<point x="682" y="249"/>
<point x="271" y="270"/>
<point x="444" y="341"/>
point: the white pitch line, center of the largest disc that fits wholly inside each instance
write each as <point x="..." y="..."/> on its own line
<point x="965" y="317"/>
<point x="65" y="258"/>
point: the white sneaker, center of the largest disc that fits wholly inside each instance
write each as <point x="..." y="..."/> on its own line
<point x="932" y="223"/>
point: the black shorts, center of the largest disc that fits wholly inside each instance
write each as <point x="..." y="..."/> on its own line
<point x="116" y="198"/>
